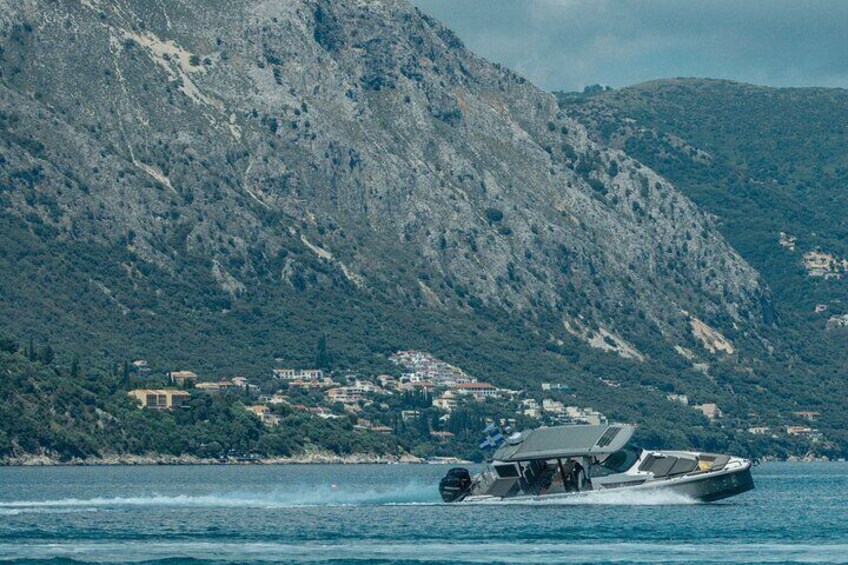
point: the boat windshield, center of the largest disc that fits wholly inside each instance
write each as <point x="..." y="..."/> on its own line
<point x="618" y="462"/>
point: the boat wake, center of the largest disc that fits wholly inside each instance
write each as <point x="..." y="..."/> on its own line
<point x="411" y="494"/>
<point x="295" y="496"/>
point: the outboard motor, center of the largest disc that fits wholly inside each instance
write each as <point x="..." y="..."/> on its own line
<point x="455" y="485"/>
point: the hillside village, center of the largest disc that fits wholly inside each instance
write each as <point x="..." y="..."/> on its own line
<point x="425" y="393"/>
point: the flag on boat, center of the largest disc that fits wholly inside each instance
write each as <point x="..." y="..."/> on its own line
<point x="492" y="437"/>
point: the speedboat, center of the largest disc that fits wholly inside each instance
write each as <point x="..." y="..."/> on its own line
<point x="571" y="461"/>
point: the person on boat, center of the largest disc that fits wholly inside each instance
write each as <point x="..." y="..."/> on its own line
<point x="580" y="478"/>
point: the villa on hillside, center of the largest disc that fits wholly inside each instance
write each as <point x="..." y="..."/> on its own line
<point x="298" y="374"/>
<point x="164" y="399"/>
<point x="477" y="390"/>
<point x="217" y="386"/>
<point x="264" y="414"/>
<point x="183" y="378"/>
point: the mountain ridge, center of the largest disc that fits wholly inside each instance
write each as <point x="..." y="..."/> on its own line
<point x="218" y="184"/>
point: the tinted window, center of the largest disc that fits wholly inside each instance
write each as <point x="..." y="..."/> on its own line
<point x="505" y="471"/>
<point x="618" y="462"/>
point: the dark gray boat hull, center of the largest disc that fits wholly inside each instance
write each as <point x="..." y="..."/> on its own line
<point x="711" y="488"/>
<point x="704" y="487"/>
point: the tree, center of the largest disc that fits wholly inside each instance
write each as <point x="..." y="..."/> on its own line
<point x="323" y="357"/>
<point x="47" y="355"/>
<point x="493" y="215"/>
<point x="75" y="367"/>
<point x="8" y="344"/>
<point x="30" y="353"/>
<point x="125" y="374"/>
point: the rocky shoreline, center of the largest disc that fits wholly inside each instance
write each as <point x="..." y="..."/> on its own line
<point x="314" y="458"/>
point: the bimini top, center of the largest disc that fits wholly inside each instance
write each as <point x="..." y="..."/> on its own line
<point x="564" y="441"/>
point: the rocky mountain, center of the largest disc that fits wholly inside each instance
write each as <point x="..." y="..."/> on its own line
<point x="362" y="133"/>
<point x="771" y="164"/>
<point x="220" y="183"/>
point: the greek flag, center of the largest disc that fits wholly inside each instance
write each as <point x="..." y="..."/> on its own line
<point x="492" y="437"/>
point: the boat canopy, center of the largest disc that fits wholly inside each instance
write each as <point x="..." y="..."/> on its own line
<point x="564" y="441"/>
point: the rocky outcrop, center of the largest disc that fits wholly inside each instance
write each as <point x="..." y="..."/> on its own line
<point x="363" y="134"/>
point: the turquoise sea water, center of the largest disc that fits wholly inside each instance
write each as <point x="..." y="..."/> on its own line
<point x="392" y="514"/>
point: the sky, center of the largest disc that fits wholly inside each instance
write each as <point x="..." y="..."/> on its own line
<point x="568" y="44"/>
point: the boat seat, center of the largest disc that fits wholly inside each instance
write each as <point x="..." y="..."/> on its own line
<point x="719" y="462"/>
<point x="659" y="466"/>
<point x="683" y="466"/>
<point x="646" y="464"/>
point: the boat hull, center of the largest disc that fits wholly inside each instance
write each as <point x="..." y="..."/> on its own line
<point x="713" y="487"/>
<point x="703" y="487"/>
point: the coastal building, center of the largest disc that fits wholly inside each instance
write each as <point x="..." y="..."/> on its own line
<point x="553" y="406"/>
<point x="421" y="387"/>
<point x="422" y="366"/>
<point x="216" y="386"/>
<point x="183" y="378"/>
<point x="264" y="414"/>
<point x="531" y="408"/>
<point x="585" y="415"/>
<point x="368" y="425"/>
<point x="323" y="412"/>
<point x="808" y="415"/>
<point x="298" y="374"/>
<point x="313" y="384"/>
<point x="799" y="430"/>
<point x="681" y="398"/>
<point x="820" y="264"/>
<point x="410" y="415"/>
<point x="478" y="390"/>
<point x="353" y="393"/>
<point x="277" y="398"/>
<point x="709" y="410"/>
<point x="344" y="394"/>
<point x="160" y="399"/>
<point x="446" y="402"/>
<point x="441" y="436"/>
<point x="759" y="430"/>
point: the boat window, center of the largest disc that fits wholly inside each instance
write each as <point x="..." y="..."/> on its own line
<point x="507" y="471"/>
<point x="618" y="462"/>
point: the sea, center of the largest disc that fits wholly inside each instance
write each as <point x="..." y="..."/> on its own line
<point x="798" y="513"/>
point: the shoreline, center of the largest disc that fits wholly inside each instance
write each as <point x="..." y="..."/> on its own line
<point x="315" y="458"/>
<point x="184" y="460"/>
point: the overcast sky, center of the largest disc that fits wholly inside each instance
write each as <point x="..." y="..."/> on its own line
<point x="567" y="44"/>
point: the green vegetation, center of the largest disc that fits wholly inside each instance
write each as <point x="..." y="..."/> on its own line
<point x="80" y="412"/>
<point x="47" y="409"/>
<point x="762" y="161"/>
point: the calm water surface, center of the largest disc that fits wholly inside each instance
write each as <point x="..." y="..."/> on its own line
<point x="392" y="514"/>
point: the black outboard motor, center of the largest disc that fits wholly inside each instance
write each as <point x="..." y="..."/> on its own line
<point x="455" y="485"/>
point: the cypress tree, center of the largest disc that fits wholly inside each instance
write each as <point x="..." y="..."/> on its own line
<point x="323" y="357"/>
<point x="47" y="355"/>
